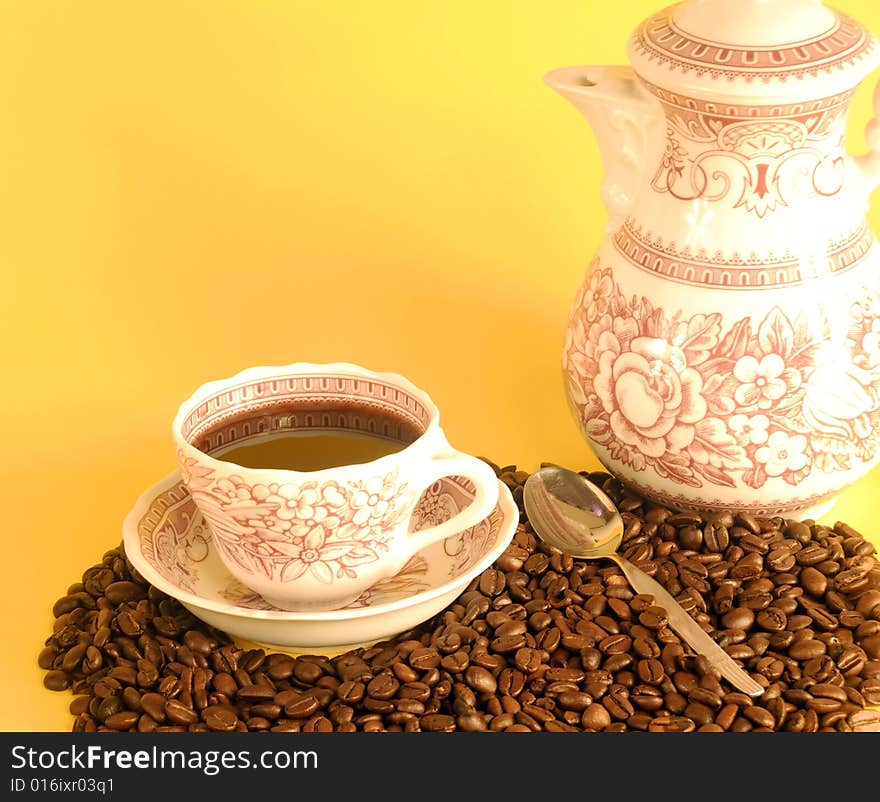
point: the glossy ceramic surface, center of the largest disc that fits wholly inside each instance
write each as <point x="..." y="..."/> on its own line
<point x="170" y="544"/>
<point x="317" y="539"/>
<point x="724" y="348"/>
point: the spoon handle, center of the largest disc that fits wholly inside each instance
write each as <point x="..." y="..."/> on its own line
<point x="689" y="629"/>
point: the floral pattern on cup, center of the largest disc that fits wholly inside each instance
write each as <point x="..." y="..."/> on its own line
<point x="406" y="582"/>
<point x="698" y="401"/>
<point x="180" y="553"/>
<point x="440" y="502"/>
<point x="284" y="531"/>
<point x="175" y="540"/>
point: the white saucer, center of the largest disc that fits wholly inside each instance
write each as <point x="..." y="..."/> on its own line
<point x="169" y="543"/>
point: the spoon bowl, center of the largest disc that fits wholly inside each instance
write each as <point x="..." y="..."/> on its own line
<point x="569" y="512"/>
<point x="572" y="513"/>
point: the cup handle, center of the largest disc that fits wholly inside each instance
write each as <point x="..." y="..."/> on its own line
<point x="454" y="463"/>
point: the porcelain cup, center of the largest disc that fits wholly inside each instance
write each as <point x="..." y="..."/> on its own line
<point x="315" y="540"/>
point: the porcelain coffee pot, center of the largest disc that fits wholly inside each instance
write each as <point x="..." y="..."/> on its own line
<point x="724" y="348"/>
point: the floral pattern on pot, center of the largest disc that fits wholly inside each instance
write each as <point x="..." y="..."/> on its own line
<point x="700" y="402"/>
<point x="764" y="161"/>
<point x="285" y="531"/>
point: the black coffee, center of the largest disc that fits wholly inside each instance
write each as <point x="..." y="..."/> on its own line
<point x="310" y="452"/>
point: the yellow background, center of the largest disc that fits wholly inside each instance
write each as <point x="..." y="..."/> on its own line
<point x="190" y="188"/>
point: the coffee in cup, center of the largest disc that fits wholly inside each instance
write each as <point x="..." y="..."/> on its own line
<point x="308" y="474"/>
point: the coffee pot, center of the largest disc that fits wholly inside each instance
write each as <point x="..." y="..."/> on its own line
<point x="723" y="350"/>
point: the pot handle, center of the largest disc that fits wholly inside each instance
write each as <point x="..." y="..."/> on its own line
<point x="869" y="163"/>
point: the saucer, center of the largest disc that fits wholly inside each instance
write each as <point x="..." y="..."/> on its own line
<point x="169" y="543"/>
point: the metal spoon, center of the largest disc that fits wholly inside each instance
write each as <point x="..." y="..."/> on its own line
<point x="570" y="512"/>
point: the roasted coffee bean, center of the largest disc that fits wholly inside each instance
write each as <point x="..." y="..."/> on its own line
<point x="153" y="704"/>
<point x="508" y="643"/>
<point x="799" y="622"/>
<point x="647" y="697"/>
<point x="480" y="679"/>
<point x="618" y="705"/>
<point x="420" y="691"/>
<point x="538" y="641"/>
<point x="250" y="662"/>
<point x="256" y="693"/>
<point x="492" y="582"/>
<point x="93" y="660"/>
<point x="219" y="718"/>
<point x="671" y="724"/>
<point x="47" y="658"/>
<point x="806" y="649"/>
<point x="725" y="717"/>
<point x="124" y="591"/>
<point x="79" y="705"/>
<point x="772" y="619"/>
<point x="423" y="659"/>
<point x="67" y="604"/>
<point x="454" y="663"/>
<point x="868" y="604"/>
<point x="70" y="662"/>
<point x="197" y="642"/>
<point x="57" y="680"/>
<point x="653" y="618"/>
<point x="595" y="717"/>
<point x="123" y="720"/>
<point x="738" y="618"/>
<point x="811" y="555"/>
<point x="179" y="713"/>
<point x="574" y="700"/>
<point x="814" y="581"/>
<point x="871" y="646"/>
<point x="225" y="684"/>
<point x="383" y="687"/>
<point x="651" y="671"/>
<point x="851" y="661"/>
<point x="615" y="644"/>
<point x="864" y="720"/>
<point x="576" y="642"/>
<point x="850" y="581"/>
<point x="699" y="713"/>
<point x="781" y="560"/>
<point x="716" y="537"/>
<point x="822" y="618"/>
<point x="302" y="707"/>
<point x="871" y="691"/>
<point x="705" y="696"/>
<point x="511" y="628"/>
<point x="108" y="706"/>
<point x="527" y="659"/>
<point x="755" y="599"/>
<point x="759" y="716"/>
<point x="511" y="681"/>
<point x="437" y="722"/>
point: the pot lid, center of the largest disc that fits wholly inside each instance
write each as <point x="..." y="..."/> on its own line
<point x="765" y="49"/>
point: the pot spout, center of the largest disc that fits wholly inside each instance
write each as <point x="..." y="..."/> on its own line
<point x="628" y="123"/>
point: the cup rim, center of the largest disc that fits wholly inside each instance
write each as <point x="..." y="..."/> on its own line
<point x="265" y="372"/>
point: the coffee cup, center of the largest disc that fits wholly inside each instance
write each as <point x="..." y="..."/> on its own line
<point x="314" y="530"/>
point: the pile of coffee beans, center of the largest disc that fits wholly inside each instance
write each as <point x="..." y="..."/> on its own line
<point x="539" y="641"/>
